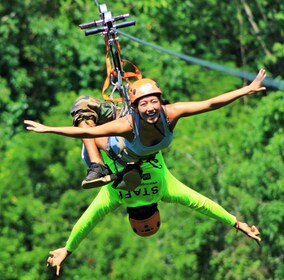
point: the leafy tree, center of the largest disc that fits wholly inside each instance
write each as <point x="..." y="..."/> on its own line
<point x="233" y="155"/>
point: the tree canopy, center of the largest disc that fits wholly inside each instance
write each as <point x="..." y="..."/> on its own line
<point x="233" y="155"/>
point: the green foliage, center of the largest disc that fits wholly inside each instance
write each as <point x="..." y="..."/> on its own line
<point x="233" y="155"/>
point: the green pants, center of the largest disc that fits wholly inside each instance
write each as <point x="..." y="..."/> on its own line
<point x="158" y="184"/>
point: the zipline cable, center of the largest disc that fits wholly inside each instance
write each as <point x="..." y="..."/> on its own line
<point x="270" y="82"/>
<point x="97" y="3"/>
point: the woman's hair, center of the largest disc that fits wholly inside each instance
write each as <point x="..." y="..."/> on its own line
<point x="164" y="101"/>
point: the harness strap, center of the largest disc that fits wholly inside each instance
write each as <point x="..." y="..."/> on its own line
<point x="111" y="71"/>
<point x="152" y="160"/>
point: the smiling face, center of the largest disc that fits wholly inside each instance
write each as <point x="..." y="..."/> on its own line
<point x="149" y="108"/>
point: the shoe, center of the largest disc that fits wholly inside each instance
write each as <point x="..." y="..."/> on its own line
<point x="98" y="175"/>
<point x="130" y="178"/>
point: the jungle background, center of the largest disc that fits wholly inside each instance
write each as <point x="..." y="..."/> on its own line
<point x="233" y="155"/>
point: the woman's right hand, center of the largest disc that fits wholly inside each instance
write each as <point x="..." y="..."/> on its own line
<point x="35" y="126"/>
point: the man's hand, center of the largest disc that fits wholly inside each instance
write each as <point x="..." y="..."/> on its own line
<point x="251" y="232"/>
<point x="57" y="257"/>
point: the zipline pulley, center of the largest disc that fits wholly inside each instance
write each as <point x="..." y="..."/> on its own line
<point x="107" y="26"/>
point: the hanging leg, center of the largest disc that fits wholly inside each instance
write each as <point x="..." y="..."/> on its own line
<point x="98" y="173"/>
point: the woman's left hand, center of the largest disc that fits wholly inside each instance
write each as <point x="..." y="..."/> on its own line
<point x="256" y="84"/>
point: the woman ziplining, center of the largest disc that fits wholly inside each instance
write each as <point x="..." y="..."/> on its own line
<point x="142" y="208"/>
<point x="137" y="136"/>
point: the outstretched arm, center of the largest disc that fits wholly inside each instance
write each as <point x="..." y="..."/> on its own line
<point x="184" y="109"/>
<point x="114" y="128"/>
<point x="106" y="201"/>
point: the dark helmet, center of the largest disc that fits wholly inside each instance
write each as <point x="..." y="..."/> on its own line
<point x="144" y="220"/>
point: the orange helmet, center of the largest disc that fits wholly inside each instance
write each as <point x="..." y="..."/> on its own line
<point x="142" y="88"/>
<point x="144" y="220"/>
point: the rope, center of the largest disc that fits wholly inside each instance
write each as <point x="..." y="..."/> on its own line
<point x="234" y="72"/>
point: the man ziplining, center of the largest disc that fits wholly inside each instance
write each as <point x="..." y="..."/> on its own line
<point x="158" y="184"/>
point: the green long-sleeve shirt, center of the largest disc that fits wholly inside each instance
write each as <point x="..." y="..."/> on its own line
<point x="158" y="184"/>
